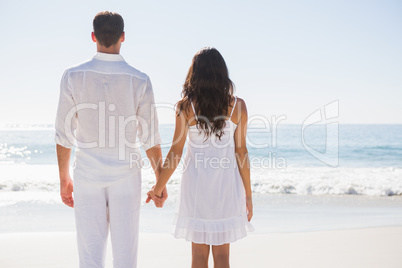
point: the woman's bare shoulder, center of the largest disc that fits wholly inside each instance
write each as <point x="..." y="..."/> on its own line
<point x="240" y="100"/>
<point x="241" y="104"/>
<point x="183" y="108"/>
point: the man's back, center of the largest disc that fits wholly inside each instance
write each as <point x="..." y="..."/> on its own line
<point x="104" y="99"/>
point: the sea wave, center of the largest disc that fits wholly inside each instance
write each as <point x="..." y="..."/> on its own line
<point x="26" y="126"/>
<point x="333" y="181"/>
<point x="32" y="180"/>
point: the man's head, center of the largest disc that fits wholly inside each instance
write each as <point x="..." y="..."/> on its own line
<point x="108" y="28"/>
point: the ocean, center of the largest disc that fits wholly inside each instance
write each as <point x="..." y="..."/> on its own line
<point x="366" y="159"/>
<point x="292" y="170"/>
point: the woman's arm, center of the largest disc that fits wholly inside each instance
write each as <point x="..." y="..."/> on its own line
<point x="241" y="153"/>
<point x="173" y="157"/>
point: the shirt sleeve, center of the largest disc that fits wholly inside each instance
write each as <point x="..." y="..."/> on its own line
<point x="66" y="118"/>
<point x="148" y="126"/>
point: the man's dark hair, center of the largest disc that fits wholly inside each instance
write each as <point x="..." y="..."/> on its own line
<point x="108" y="27"/>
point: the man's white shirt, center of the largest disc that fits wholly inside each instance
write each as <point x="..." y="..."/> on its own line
<point x="107" y="110"/>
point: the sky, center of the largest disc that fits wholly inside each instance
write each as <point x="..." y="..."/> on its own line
<point x="286" y="58"/>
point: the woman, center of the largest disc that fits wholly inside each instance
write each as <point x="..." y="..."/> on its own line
<point x="215" y="204"/>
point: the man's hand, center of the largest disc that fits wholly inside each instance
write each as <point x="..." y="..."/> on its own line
<point x="66" y="183"/>
<point x="159" y="200"/>
<point x="66" y="191"/>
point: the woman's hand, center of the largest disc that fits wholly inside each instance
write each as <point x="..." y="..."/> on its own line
<point x="159" y="200"/>
<point x="164" y="195"/>
<point x="249" y="206"/>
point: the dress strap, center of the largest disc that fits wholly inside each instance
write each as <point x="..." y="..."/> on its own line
<point x="192" y="105"/>
<point x="233" y="107"/>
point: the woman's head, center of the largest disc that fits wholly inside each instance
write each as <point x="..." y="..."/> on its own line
<point x="209" y="86"/>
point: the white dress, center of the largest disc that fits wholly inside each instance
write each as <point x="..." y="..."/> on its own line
<point x="212" y="204"/>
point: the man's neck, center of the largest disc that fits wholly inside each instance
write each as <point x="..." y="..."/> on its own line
<point x="115" y="49"/>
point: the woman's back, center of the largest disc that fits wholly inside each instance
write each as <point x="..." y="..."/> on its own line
<point x="198" y="139"/>
<point x="212" y="202"/>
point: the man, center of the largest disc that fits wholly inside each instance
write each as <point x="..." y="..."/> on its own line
<point x="104" y="105"/>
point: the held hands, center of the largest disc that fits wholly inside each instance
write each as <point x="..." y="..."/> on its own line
<point x="158" y="198"/>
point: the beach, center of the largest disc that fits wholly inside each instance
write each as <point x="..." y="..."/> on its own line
<point x="305" y="215"/>
<point x="291" y="231"/>
<point x="365" y="247"/>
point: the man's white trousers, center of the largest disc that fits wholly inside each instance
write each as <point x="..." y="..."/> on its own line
<point x="99" y="207"/>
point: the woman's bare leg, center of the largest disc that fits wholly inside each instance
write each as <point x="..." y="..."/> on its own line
<point x="221" y="256"/>
<point x="200" y="253"/>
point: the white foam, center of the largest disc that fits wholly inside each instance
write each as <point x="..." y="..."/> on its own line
<point x="320" y="181"/>
<point x="32" y="181"/>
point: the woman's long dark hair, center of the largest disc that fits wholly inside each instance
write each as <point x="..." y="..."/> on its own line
<point x="209" y="87"/>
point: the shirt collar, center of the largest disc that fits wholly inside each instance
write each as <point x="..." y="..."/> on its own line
<point x="108" y="57"/>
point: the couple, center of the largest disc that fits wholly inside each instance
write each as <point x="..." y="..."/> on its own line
<point x="105" y="105"/>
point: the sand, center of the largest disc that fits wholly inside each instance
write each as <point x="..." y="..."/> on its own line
<point x="366" y="248"/>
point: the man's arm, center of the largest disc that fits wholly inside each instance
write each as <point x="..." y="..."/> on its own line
<point x="65" y="138"/>
<point x="66" y="183"/>
<point x="148" y="135"/>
